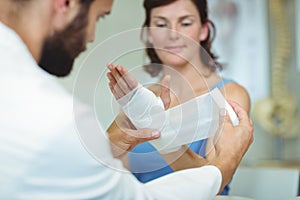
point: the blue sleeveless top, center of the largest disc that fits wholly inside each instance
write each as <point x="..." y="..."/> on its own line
<point x="147" y="164"/>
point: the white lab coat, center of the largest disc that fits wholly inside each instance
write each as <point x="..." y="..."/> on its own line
<point x="42" y="156"/>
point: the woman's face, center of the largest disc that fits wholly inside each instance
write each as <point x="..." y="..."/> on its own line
<point x="177" y="32"/>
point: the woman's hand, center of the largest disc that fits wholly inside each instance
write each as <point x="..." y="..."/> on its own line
<point x="123" y="135"/>
<point x="121" y="82"/>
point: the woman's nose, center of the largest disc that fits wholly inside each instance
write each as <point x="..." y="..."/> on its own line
<point x="173" y="33"/>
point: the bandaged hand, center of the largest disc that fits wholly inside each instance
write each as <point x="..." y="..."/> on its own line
<point x="122" y="83"/>
<point x="139" y="104"/>
<point x="122" y="133"/>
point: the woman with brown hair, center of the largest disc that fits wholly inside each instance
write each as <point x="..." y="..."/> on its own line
<point x="173" y="27"/>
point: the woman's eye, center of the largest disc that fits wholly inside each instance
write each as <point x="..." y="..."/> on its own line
<point x="186" y="24"/>
<point x="161" y="25"/>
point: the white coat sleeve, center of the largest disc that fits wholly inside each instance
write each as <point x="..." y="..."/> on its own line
<point x="198" y="183"/>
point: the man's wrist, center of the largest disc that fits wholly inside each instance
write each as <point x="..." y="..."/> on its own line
<point x="227" y="165"/>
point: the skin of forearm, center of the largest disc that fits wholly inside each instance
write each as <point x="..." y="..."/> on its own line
<point x="227" y="168"/>
<point x="184" y="158"/>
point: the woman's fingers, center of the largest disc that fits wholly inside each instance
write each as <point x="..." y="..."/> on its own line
<point x="114" y="87"/>
<point x="117" y="73"/>
<point x="129" y="79"/>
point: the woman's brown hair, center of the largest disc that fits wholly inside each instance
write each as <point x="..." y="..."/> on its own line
<point x="153" y="68"/>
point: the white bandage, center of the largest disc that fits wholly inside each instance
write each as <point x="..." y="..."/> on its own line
<point x="143" y="108"/>
<point x="191" y="121"/>
<point x="222" y="103"/>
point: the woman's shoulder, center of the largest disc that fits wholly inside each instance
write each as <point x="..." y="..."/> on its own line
<point x="235" y="92"/>
<point x="233" y="88"/>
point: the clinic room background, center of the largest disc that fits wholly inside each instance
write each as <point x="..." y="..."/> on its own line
<point x="259" y="43"/>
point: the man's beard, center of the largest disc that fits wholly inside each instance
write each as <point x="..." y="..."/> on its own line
<point x="61" y="49"/>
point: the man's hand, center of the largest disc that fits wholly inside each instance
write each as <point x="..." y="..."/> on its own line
<point x="123" y="136"/>
<point x="232" y="142"/>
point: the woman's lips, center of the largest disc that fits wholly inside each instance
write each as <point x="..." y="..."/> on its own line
<point x="175" y="49"/>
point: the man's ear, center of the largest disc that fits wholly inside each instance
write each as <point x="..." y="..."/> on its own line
<point x="64" y="11"/>
<point x="204" y="32"/>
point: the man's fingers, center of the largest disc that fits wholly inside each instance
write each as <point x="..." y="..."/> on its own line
<point x="244" y="119"/>
<point x="165" y="91"/>
<point x="223" y="117"/>
<point x="241" y="113"/>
